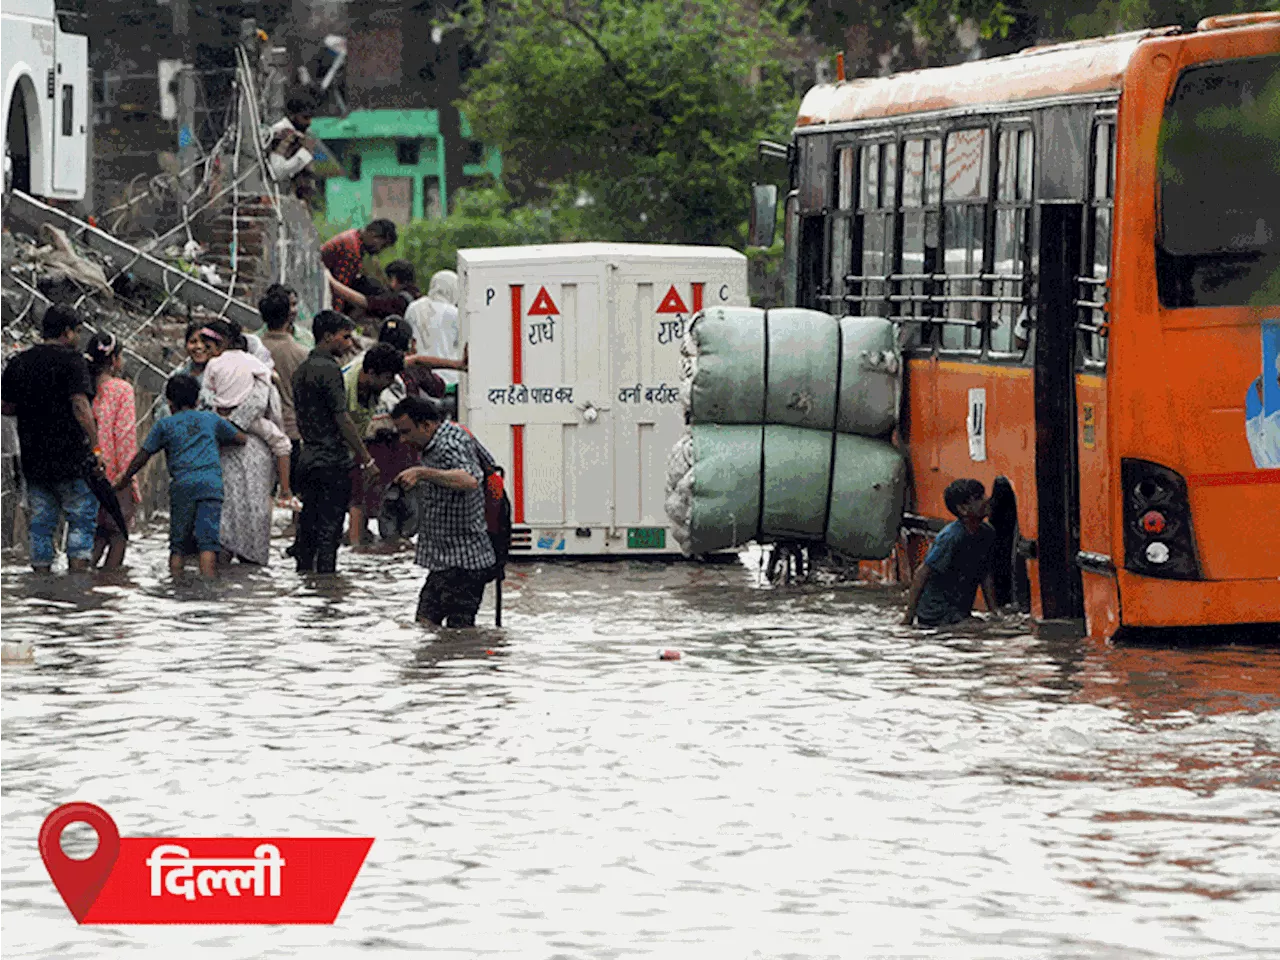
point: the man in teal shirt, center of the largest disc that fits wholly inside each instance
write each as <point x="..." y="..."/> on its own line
<point x="944" y="587"/>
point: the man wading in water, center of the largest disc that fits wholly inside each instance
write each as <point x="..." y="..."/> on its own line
<point x="48" y="387"/>
<point x="453" y="541"/>
<point x="328" y="440"/>
<point x="943" y="589"/>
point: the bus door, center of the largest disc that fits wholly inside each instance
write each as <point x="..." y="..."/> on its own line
<point x="1057" y="469"/>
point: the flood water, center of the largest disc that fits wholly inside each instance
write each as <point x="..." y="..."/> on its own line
<point x="811" y="779"/>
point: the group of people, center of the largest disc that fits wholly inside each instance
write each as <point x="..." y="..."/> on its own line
<point x="248" y="419"/>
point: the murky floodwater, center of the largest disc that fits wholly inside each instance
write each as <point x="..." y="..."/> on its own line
<point x="810" y="780"/>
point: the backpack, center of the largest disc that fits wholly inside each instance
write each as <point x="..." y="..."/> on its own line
<point x="497" y="507"/>
<point x="497" y="518"/>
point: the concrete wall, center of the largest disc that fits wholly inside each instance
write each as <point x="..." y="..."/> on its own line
<point x="301" y="266"/>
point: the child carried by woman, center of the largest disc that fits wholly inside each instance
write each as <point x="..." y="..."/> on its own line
<point x="237" y="385"/>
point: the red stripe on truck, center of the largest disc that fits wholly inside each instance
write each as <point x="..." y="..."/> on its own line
<point x="517" y="338"/>
<point x="517" y="472"/>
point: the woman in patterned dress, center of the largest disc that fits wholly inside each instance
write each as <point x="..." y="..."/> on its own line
<point x="248" y="472"/>
<point x="113" y="409"/>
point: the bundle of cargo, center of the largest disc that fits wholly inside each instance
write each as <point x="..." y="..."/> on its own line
<point x="788" y="412"/>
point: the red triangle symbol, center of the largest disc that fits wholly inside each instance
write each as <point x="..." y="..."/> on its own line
<point x="672" y="303"/>
<point x="543" y="305"/>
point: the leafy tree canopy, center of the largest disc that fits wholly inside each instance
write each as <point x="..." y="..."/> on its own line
<point x="649" y="112"/>
<point x="880" y="35"/>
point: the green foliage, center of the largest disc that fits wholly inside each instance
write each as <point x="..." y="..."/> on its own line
<point x="484" y="218"/>
<point x="650" y="112"/>
<point x="1101" y="17"/>
<point x="935" y="19"/>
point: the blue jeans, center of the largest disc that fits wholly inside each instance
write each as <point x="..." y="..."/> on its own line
<point x="47" y="500"/>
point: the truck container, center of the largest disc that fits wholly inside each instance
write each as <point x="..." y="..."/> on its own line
<point x="573" y="383"/>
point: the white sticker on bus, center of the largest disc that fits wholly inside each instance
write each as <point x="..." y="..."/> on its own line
<point x="977" y="424"/>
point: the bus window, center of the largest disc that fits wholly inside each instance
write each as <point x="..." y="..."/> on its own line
<point x="1013" y="214"/>
<point x="1095" y="265"/>
<point x="877" y="206"/>
<point x="814" y="173"/>
<point x="842" y="231"/>
<point x="810" y="289"/>
<point x="964" y="196"/>
<point x="921" y="161"/>
<point x="1218" y="242"/>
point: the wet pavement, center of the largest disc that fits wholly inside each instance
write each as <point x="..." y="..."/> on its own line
<point x="811" y="779"/>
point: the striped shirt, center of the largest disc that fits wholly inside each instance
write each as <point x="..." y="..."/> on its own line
<point x="451" y="529"/>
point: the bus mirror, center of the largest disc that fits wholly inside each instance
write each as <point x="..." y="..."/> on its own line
<point x="764" y="215"/>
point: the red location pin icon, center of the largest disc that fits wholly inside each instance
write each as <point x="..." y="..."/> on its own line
<point x="79" y="881"/>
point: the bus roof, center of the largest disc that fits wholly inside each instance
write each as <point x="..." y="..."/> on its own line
<point x="1037" y="73"/>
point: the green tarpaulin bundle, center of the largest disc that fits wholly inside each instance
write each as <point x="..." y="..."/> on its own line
<point x="792" y="367"/>
<point x="787" y="411"/>
<point x="733" y="483"/>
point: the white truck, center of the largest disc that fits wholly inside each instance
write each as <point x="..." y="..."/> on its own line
<point x="46" y="101"/>
<point x="574" y="369"/>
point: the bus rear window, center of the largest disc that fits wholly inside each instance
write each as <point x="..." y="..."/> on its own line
<point x="1219" y="178"/>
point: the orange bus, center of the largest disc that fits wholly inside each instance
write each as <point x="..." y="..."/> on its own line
<point x="1080" y="245"/>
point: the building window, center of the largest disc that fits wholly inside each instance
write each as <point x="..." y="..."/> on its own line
<point x="431" y="206"/>
<point x="353" y="166"/>
<point x="68" y="109"/>
<point x="408" y="152"/>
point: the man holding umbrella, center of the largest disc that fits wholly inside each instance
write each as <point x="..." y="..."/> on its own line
<point x="47" y="387"/>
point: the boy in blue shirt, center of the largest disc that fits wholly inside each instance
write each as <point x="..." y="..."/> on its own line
<point x="943" y="589"/>
<point x="189" y="438"/>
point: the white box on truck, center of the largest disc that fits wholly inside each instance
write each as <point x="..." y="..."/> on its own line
<point x="574" y="369"/>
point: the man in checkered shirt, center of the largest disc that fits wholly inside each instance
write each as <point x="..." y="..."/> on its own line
<point x="453" y="541"/>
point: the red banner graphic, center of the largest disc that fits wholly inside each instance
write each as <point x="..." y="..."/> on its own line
<point x="257" y="880"/>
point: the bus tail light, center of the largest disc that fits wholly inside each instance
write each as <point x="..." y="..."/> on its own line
<point x="1158" y="536"/>
<point x="1153" y="523"/>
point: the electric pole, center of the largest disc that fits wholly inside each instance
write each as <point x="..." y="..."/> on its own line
<point x="188" y="150"/>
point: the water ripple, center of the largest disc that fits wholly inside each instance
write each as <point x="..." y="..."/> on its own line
<point x="810" y="780"/>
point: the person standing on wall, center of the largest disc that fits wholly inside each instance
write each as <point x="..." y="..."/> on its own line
<point x="329" y="437"/>
<point x="453" y="539"/>
<point x="47" y="387"/>
<point x="343" y="256"/>
<point x="287" y="153"/>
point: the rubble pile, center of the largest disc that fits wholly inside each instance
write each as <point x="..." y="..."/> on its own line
<point x="36" y="272"/>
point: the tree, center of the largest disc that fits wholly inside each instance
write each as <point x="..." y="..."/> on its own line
<point x="883" y="35"/>
<point x="649" y="113"/>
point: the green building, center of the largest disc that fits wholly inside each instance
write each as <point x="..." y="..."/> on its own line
<point x="394" y="163"/>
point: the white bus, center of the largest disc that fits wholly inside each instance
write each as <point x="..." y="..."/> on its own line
<point x="46" y="102"/>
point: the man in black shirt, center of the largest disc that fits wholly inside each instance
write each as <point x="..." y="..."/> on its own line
<point x="329" y="437"/>
<point x="48" y="388"/>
